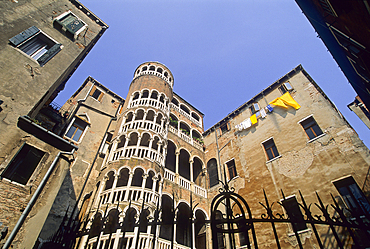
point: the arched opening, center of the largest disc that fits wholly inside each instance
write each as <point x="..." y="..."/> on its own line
<point x="150" y="115"/>
<point x="184" y="128"/>
<point x="175" y="102"/>
<point x="196" y="136"/>
<point x="195" y="116"/>
<point x="145" y="139"/>
<point x="139" y="115"/>
<point x="136" y="96"/>
<point x="185" y="109"/>
<point x="154" y="95"/>
<point x="159" y="118"/>
<point x="166" y="229"/>
<point x="109" y="182"/>
<point x="129" y="222"/>
<point x="112" y="222"/>
<point x="159" y="70"/>
<point x="151" y="68"/>
<point x="171" y="157"/>
<point x="143" y="222"/>
<point x="166" y="74"/>
<point x="145" y="68"/>
<point x="174" y="122"/>
<point x="158" y="182"/>
<point x="184" y="165"/>
<point x="96" y="226"/>
<point x="133" y="139"/>
<point x="145" y="94"/>
<point x="123" y="178"/>
<point x="155" y="143"/>
<point x="161" y="99"/>
<point x="183" y="227"/>
<point x="149" y="180"/>
<point x="137" y="179"/>
<point x="129" y="117"/>
<point x="212" y="172"/>
<point x="200" y="230"/>
<point x="197" y="172"/>
<point x="121" y="142"/>
<point x="220" y="236"/>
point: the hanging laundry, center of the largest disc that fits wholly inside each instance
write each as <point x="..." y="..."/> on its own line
<point x="269" y="108"/>
<point x="263" y="113"/>
<point x="278" y="102"/>
<point x="258" y="114"/>
<point x="246" y="123"/>
<point x="253" y="119"/>
<point x="288" y="100"/>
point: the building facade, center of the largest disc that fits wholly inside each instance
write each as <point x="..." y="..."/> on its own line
<point x="42" y="44"/>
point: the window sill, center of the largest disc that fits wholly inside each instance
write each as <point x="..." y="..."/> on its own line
<point x="315" y="138"/>
<point x="273" y="159"/>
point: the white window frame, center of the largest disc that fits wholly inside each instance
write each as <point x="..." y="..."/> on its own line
<point x="83" y="133"/>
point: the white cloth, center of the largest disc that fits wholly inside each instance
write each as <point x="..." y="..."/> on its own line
<point x="246" y="123"/>
<point x="263" y="113"/>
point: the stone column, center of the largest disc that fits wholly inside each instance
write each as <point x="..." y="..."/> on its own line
<point x="136" y="230"/>
<point x="177" y="153"/>
<point x="137" y="146"/>
<point x="130" y="176"/>
<point x="111" y="153"/>
<point x="143" y="186"/>
<point x="116" y="176"/>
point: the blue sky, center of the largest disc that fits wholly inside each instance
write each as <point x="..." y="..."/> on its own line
<point x="221" y="52"/>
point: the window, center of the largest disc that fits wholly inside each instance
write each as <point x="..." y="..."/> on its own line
<point x="254" y="108"/>
<point x="225" y="127"/>
<point x="212" y="172"/>
<point x="76" y="130"/>
<point x="311" y="128"/>
<point x="23" y="164"/>
<point x="291" y="206"/>
<point x="70" y="24"/>
<point x="352" y="195"/>
<point x="285" y="87"/>
<point x="96" y="93"/>
<point x="270" y="148"/>
<point x="36" y="44"/>
<point x="231" y="168"/>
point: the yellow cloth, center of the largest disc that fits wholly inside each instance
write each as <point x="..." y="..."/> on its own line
<point x="288" y="100"/>
<point x="278" y="102"/>
<point x="254" y="119"/>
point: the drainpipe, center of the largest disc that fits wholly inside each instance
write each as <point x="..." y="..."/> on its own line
<point x="30" y="204"/>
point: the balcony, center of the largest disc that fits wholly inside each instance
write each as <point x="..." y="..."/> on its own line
<point x="185" y="137"/>
<point x="138" y="151"/>
<point x="145" y="125"/>
<point x="182" y="112"/>
<point x="122" y="194"/>
<point x="171" y="176"/>
<point x="147" y="102"/>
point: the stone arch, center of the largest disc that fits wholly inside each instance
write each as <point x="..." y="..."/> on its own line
<point x="155" y="143"/>
<point x="212" y="172"/>
<point x="129" y="117"/>
<point x="130" y="219"/>
<point x="137" y="179"/>
<point x="171" y="156"/>
<point x="185" y="128"/>
<point x="185" y="108"/>
<point x="183" y="227"/>
<point x="150" y="115"/>
<point x="133" y="139"/>
<point x="195" y="116"/>
<point x="200" y="229"/>
<point x="139" y="114"/>
<point x="154" y="94"/>
<point x="184" y="164"/>
<point x="124" y="175"/>
<point x="198" y="171"/>
<point x="145" y="139"/>
<point x="167" y="217"/>
<point x="110" y="180"/>
<point x="145" y="94"/>
<point x="135" y="95"/>
<point x="149" y="179"/>
<point x="122" y="141"/>
<point x="159" y="118"/>
<point x="175" y="102"/>
<point x="112" y="222"/>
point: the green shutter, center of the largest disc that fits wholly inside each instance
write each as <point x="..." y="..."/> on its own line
<point x="49" y="54"/>
<point x="21" y="37"/>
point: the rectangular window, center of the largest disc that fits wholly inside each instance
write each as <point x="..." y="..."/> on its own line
<point x="352" y="195"/>
<point x="24" y="163"/>
<point x="254" y="108"/>
<point x="270" y="148"/>
<point x="291" y="206"/>
<point x="76" y="129"/>
<point x="231" y="168"/>
<point x="311" y="128"/>
<point x="285" y="87"/>
<point x="96" y="93"/>
<point x="70" y="24"/>
<point x="225" y="127"/>
<point x="36" y="44"/>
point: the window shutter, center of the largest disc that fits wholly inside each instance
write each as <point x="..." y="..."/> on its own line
<point x="228" y="126"/>
<point x="21" y="37"/>
<point x="121" y="110"/>
<point x="74" y="26"/>
<point x="100" y="96"/>
<point x="92" y="91"/>
<point x="49" y="54"/>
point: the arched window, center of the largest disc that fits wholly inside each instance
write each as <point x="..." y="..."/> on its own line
<point x="174" y="122"/>
<point x="171" y="157"/>
<point x="154" y="95"/>
<point x="200" y="230"/>
<point x="149" y="180"/>
<point x="197" y="172"/>
<point x="151" y="68"/>
<point x="109" y="182"/>
<point x="133" y="139"/>
<point x="145" y="68"/>
<point x="96" y="226"/>
<point x="175" y="102"/>
<point x="137" y="179"/>
<point x="166" y="74"/>
<point x="123" y="177"/>
<point x="183" y="227"/>
<point x="129" y="222"/>
<point x="155" y="143"/>
<point x="145" y="94"/>
<point x="112" y="222"/>
<point x="143" y="221"/>
<point x="167" y="218"/>
<point x="145" y="140"/>
<point x="185" y="109"/>
<point x="158" y="182"/>
<point x="161" y="99"/>
<point x="150" y="115"/>
<point x="184" y="164"/>
<point x="136" y="96"/>
<point x="139" y="115"/>
<point x="159" y="70"/>
<point x="122" y="142"/>
<point x="129" y="117"/>
<point x="212" y="172"/>
<point x="185" y="128"/>
<point x="159" y="117"/>
<point x="195" y="116"/>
